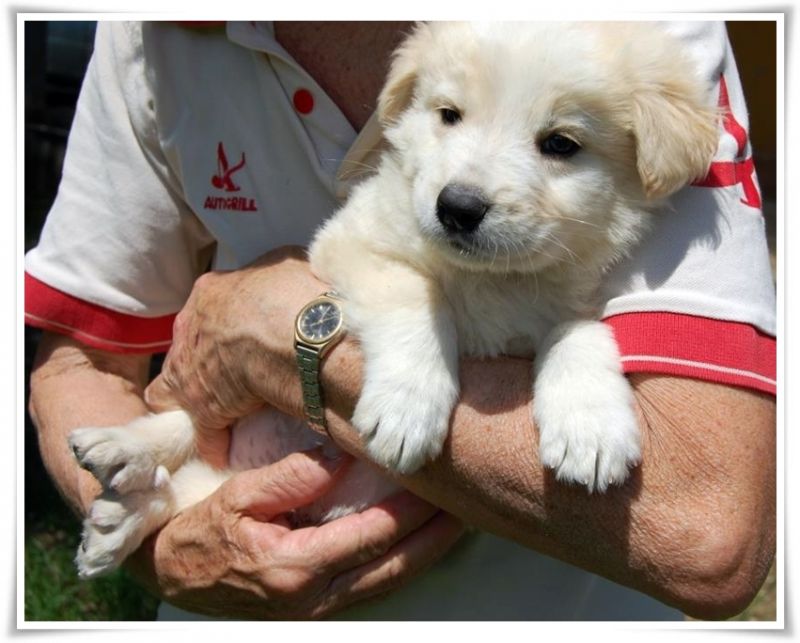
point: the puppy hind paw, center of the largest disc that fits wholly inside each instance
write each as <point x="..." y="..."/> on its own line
<point x="97" y="555"/>
<point x="115" y="526"/>
<point x="106" y="540"/>
<point x="116" y="458"/>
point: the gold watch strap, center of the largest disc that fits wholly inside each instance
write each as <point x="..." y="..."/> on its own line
<point x="308" y="361"/>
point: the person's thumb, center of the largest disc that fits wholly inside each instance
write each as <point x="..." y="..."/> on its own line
<point x="295" y="481"/>
<point x="212" y="444"/>
<point x="159" y="396"/>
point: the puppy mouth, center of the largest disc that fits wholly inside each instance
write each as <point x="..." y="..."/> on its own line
<point x="473" y="252"/>
<point x="464" y="246"/>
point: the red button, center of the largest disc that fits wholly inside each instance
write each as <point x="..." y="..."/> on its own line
<point x="303" y="101"/>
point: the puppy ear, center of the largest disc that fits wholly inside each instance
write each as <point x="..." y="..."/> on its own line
<point x="398" y="90"/>
<point x="676" y="138"/>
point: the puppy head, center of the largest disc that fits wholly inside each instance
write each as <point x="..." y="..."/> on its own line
<point x="529" y="144"/>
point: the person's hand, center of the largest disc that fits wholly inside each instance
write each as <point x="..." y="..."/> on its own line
<point x="233" y="346"/>
<point x="234" y="554"/>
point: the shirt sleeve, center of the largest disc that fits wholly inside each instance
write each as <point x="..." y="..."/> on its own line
<point x="120" y="249"/>
<point x="697" y="299"/>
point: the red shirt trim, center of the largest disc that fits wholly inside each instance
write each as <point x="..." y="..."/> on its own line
<point x="670" y="343"/>
<point x="53" y="310"/>
<point x="698" y="347"/>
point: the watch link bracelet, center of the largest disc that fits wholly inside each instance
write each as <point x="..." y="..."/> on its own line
<point x="318" y="328"/>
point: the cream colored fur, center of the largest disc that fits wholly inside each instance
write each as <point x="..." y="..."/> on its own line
<point x="418" y="296"/>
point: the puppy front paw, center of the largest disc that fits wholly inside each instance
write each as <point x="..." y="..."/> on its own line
<point x="116" y="457"/>
<point x="116" y="525"/>
<point x="592" y="439"/>
<point x="405" y="423"/>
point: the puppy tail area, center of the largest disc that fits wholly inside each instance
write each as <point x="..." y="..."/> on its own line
<point x="195" y="481"/>
<point x="360" y="486"/>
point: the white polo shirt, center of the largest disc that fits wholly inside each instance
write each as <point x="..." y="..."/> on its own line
<point x="208" y="146"/>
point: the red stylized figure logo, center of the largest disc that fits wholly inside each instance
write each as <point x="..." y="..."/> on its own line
<point x="726" y="173"/>
<point x="222" y="179"/>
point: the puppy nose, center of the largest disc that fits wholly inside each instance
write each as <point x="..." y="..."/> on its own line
<point x="461" y="208"/>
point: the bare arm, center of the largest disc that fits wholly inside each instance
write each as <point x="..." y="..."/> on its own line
<point x="73" y="386"/>
<point x="694" y="526"/>
<point x="221" y="556"/>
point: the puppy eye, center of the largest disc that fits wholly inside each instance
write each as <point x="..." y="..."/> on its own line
<point x="449" y="115"/>
<point x="558" y="145"/>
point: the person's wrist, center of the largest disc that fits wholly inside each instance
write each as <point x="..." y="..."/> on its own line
<point x="340" y="376"/>
<point x="277" y="286"/>
<point x="297" y="286"/>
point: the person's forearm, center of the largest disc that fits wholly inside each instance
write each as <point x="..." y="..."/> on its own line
<point x="71" y="387"/>
<point x="674" y="530"/>
<point x="694" y="525"/>
<point x="220" y="556"/>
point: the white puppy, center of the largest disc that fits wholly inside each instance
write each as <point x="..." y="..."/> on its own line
<point x="525" y="160"/>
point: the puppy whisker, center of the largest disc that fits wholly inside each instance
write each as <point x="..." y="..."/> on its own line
<point x="560" y="217"/>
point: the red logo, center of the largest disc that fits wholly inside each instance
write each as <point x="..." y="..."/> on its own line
<point x="723" y="174"/>
<point x="223" y="180"/>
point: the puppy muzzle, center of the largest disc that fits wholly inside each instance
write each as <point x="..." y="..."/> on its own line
<point x="461" y="208"/>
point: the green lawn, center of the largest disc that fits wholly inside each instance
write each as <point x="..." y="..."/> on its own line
<point x="53" y="591"/>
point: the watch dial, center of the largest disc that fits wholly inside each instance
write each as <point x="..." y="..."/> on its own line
<point x="320" y="321"/>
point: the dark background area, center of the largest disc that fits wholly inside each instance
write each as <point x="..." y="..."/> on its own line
<point x="56" y="54"/>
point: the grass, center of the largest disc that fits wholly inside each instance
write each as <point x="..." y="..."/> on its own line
<point x="53" y="591"/>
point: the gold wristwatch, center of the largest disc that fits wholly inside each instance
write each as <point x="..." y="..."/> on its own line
<point x="317" y="329"/>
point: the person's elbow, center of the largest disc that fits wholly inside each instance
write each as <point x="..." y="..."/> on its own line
<point x="722" y="554"/>
<point x="723" y="541"/>
<point x="714" y="531"/>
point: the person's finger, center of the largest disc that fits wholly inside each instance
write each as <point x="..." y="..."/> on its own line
<point x="361" y="537"/>
<point x="397" y="566"/>
<point x="213" y="445"/>
<point x="159" y="396"/>
<point x="295" y="481"/>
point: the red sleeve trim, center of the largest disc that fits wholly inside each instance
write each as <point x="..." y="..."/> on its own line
<point x="697" y="347"/>
<point x="53" y="310"/>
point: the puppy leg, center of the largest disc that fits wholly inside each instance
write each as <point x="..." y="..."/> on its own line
<point x="127" y="458"/>
<point x="583" y="407"/>
<point x="408" y="337"/>
<point x="410" y="383"/>
<point x="406" y="330"/>
<point x="117" y="523"/>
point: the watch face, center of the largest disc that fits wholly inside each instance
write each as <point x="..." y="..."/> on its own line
<point x="320" y="321"/>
